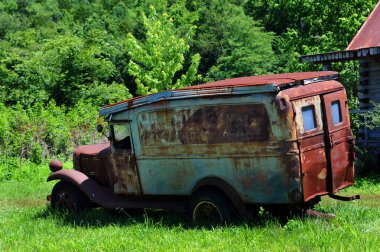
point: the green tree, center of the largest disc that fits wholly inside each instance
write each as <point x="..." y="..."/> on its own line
<point x="156" y="61"/>
<point x="68" y="67"/>
<point x="230" y="43"/>
<point x="309" y="26"/>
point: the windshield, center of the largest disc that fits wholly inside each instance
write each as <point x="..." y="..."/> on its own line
<point x="121" y="136"/>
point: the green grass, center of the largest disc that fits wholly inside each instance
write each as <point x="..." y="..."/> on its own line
<point x="27" y="224"/>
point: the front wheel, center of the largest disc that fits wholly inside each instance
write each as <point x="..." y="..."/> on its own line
<point x="209" y="207"/>
<point x="68" y="197"/>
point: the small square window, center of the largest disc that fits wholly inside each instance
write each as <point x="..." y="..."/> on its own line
<point x="308" y="115"/>
<point x="336" y="113"/>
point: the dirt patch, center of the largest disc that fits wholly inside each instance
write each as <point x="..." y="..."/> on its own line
<point x="23" y="203"/>
<point x="370" y="200"/>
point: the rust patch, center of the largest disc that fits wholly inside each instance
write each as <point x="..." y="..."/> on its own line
<point x="94" y="164"/>
<point x="282" y="103"/>
<point x="313" y="89"/>
<point x="322" y="174"/>
<point x="226" y="124"/>
<point x="293" y="166"/>
<point x="205" y="125"/>
<point x="125" y="168"/>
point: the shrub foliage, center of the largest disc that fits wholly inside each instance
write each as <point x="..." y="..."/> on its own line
<point x="61" y="60"/>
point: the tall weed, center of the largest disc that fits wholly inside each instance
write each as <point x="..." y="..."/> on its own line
<point x="15" y="169"/>
<point x="39" y="131"/>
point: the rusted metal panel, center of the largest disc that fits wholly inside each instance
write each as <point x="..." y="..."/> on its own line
<point x="204" y="125"/>
<point x="105" y="197"/>
<point x="115" y="168"/>
<point x="256" y="180"/>
<point x="367" y="36"/>
<point x="90" y="150"/>
<point x="326" y="148"/>
<point x="92" y="160"/>
<point x="122" y="160"/>
<point x="340" y="141"/>
<point x="312" y="89"/>
<point x="236" y="86"/>
<point x="275" y="79"/>
<point x="262" y="168"/>
<point x="124" y="166"/>
<point x="312" y="148"/>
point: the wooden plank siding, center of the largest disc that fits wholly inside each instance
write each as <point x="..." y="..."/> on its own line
<point x="369" y="91"/>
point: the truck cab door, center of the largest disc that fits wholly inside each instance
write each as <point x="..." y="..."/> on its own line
<point x="339" y="141"/>
<point x="123" y="160"/>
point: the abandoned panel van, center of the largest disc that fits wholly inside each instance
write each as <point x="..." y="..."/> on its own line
<point x="218" y="148"/>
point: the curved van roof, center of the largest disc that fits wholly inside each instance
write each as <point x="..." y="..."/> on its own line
<point x="235" y="86"/>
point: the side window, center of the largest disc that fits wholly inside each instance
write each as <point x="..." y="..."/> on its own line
<point x="308" y="116"/>
<point x="121" y="135"/>
<point x="336" y="113"/>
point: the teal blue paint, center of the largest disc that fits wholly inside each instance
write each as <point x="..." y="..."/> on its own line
<point x="179" y="176"/>
<point x="257" y="178"/>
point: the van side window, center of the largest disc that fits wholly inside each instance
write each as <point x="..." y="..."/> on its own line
<point x="335" y="111"/>
<point x="308" y="116"/>
<point x="205" y="125"/>
<point x="121" y="135"/>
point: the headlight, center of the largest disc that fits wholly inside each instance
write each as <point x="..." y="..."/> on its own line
<point x="55" y="165"/>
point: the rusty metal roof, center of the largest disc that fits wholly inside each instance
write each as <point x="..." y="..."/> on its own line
<point x="365" y="43"/>
<point x="311" y="90"/>
<point x="236" y="86"/>
<point x="369" y="34"/>
<point x="274" y="79"/>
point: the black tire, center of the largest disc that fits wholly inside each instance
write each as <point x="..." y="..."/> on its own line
<point x="68" y="197"/>
<point x="209" y="207"/>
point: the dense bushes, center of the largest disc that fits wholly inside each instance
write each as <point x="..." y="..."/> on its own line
<point x="14" y="168"/>
<point x="40" y="131"/>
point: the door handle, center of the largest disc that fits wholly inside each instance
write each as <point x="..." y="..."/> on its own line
<point x="331" y="141"/>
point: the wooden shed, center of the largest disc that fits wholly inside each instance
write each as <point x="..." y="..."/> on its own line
<point x="364" y="47"/>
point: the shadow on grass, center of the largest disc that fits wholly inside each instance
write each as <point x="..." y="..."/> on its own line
<point x="368" y="180"/>
<point x="100" y="217"/>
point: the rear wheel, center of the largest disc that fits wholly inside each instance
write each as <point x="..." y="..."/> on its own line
<point x="67" y="196"/>
<point x="209" y="207"/>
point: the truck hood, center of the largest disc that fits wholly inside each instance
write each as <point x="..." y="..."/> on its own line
<point x="88" y="150"/>
<point x="91" y="150"/>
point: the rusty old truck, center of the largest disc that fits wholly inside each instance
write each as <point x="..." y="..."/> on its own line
<point x="218" y="149"/>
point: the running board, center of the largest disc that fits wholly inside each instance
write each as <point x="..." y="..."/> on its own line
<point x="344" y="198"/>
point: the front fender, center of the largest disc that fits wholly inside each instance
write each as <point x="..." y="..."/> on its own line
<point x="73" y="176"/>
<point x="104" y="197"/>
<point x="95" y="192"/>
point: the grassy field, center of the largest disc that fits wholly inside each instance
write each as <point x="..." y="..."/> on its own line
<point x="27" y="224"/>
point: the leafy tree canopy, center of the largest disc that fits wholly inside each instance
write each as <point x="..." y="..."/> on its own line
<point x="155" y="61"/>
